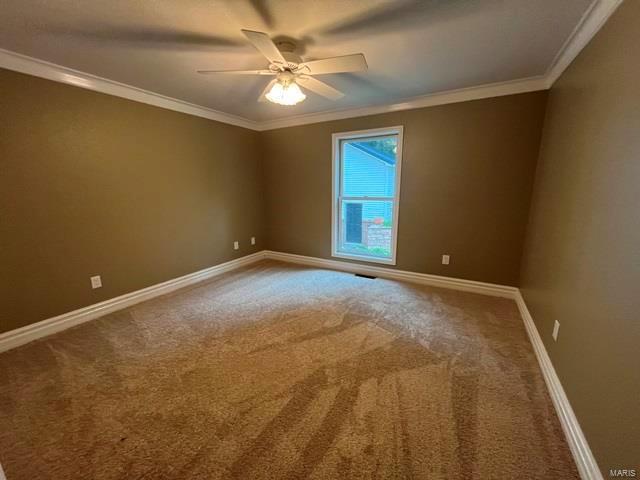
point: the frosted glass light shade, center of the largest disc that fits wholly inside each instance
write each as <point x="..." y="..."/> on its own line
<point x="287" y="94"/>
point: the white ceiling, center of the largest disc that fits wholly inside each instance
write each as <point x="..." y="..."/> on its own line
<point x="413" y="47"/>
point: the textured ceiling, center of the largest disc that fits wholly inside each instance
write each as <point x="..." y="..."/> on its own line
<point x="413" y="47"/>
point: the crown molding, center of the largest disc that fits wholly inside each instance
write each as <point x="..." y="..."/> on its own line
<point x="590" y="24"/>
<point x="40" y="68"/>
<point x="500" y="89"/>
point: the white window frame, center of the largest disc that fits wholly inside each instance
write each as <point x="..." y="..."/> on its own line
<point x="337" y="197"/>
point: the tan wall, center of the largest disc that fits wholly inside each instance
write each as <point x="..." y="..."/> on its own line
<point x="582" y="261"/>
<point x="467" y="174"/>
<point x="93" y="184"/>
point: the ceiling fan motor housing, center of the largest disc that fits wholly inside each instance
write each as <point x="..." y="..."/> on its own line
<point x="293" y="59"/>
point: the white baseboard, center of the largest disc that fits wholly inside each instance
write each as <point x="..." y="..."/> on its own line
<point x="20" y="336"/>
<point x="585" y="461"/>
<point x="391" y="273"/>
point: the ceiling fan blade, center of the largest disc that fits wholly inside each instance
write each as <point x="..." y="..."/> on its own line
<point x="263" y="97"/>
<point x="260" y="7"/>
<point x="144" y="37"/>
<point x="390" y="16"/>
<point x="319" y="87"/>
<point x="346" y="63"/>
<point x="265" y="46"/>
<point x="380" y="16"/>
<point x="256" y="13"/>
<point x="238" y="72"/>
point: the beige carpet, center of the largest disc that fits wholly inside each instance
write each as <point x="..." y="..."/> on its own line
<point x="278" y="371"/>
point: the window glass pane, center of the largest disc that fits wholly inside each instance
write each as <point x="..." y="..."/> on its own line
<point x="369" y="166"/>
<point x="366" y="227"/>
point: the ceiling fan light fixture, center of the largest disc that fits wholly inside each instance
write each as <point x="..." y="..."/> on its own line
<point x="285" y="93"/>
<point x="289" y="68"/>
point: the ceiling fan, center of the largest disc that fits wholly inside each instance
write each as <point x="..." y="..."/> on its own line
<point x="291" y="71"/>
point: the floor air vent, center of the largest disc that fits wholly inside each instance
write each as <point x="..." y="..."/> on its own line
<point x="370" y="277"/>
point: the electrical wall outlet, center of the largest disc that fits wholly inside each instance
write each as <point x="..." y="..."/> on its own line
<point x="253" y="240"/>
<point x="236" y="245"/>
<point x="96" y="282"/>
<point x="556" y="327"/>
<point x="445" y="259"/>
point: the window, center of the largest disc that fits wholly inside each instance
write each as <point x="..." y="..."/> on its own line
<point x="366" y="189"/>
